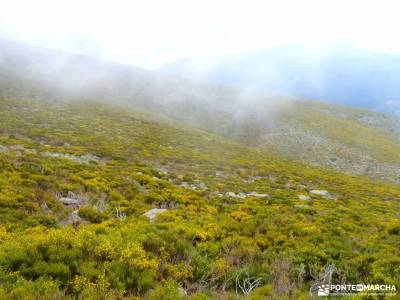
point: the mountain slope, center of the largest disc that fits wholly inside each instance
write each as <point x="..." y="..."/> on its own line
<point x="349" y="140"/>
<point x="231" y="211"/>
<point x="352" y="141"/>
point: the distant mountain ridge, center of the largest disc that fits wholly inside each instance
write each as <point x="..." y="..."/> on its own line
<point x="342" y="74"/>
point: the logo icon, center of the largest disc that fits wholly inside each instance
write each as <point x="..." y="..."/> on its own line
<point x="323" y="290"/>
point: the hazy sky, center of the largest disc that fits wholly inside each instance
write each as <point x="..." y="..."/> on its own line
<point x="148" y="33"/>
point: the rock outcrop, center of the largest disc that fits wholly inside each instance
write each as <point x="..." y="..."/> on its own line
<point x="320" y="193"/>
<point x="152" y="213"/>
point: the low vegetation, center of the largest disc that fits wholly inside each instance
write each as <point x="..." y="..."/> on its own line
<point x="233" y="226"/>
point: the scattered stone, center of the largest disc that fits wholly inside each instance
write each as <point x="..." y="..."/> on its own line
<point x="230" y="194"/>
<point x="90" y="157"/>
<point x="301" y="186"/>
<point x="202" y="186"/>
<point x="45" y="209"/>
<point x="68" y="201"/>
<point x="80" y="159"/>
<point x="185" y="185"/>
<point x="251" y="180"/>
<point x="258" y="195"/>
<point x="55" y="154"/>
<point x="31" y="151"/>
<point x="242" y="195"/>
<point x="300" y="206"/>
<point x="182" y="292"/>
<point x="304" y="197"/>
<point x="194" y="186"/>
<point x="17" y="147"/>
<point x="74" y="218"/>
<point x="288" y="185"/>
<point x="321" y="193"/>
<point x="152" y="213"/>
<point x="161" y="171"/>
<point x="71" y="200"/>
<point x="222" y="174"/>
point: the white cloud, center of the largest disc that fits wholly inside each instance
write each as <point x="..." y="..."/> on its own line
<point x="148" y="33"/>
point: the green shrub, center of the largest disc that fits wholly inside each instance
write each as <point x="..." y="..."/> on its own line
<point x="92" y="215"/>
<point x="170" y="290"/>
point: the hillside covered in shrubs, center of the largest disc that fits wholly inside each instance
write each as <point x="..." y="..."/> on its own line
<point x="228" y="221"/>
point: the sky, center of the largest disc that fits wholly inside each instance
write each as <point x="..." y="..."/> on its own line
<point x="150" y="33"/>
